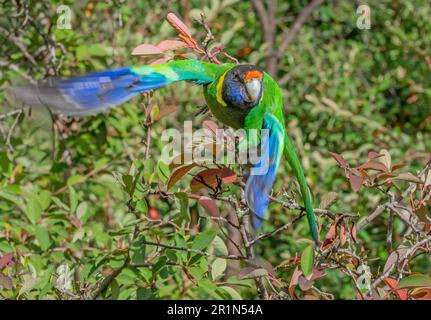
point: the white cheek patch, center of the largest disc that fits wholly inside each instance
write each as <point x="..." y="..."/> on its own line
<point x="253" y="88"/>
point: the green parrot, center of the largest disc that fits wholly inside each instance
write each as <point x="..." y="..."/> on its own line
<point x="239" y="96"/>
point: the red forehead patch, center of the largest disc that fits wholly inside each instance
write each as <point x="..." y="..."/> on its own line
<point x="253" y="74"/>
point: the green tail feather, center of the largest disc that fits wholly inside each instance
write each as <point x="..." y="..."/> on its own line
<point x="293" y="160"/>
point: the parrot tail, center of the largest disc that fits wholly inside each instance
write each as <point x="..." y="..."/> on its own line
<point x="96" y="92"/>
<point x="259" y="183"/>
<point x="294" y="163"/>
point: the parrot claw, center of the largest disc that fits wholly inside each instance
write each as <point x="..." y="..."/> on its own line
<point x="202" y="110"/>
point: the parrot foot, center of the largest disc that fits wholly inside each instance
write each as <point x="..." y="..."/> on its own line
<point x="202" y="110"/>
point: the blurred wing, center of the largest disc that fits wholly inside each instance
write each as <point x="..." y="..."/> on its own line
<point x="259" y="183"/>
<point x="96" y="92"/>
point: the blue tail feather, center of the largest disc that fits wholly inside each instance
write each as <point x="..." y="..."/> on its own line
<point x="259" y="183"/>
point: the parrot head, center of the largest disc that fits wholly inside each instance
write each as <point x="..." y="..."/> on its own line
<point x="242" y="86"/>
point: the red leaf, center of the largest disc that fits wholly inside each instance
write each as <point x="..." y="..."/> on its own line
<point x="304" y="283"/>
<point x="353" y="233"/>
<point x="374" y="155"/>
<point x="394" y="258"/>
<point x="146" y="50"/>
<point x="339" y="158"/>
<point x="402" y="294"/>
<point x="210" y="125"/>
<point x="166" y="45"/>
<point x="373" y="165"/>
<point x="207" y="203"/>
<point x="179" y="173"/>
<point x="332" y="232"/>
<point x="294" y="282"/>
<point x="398" y="166"/>
<point x="343" y="236"/>
<point x="178" y="25"/>
<point x="6" y="259"/>
<point x="165" y="111"/>
<point x="159" y="61"/>
<point x="211" y="178"/>
<point x="355" y="181"/>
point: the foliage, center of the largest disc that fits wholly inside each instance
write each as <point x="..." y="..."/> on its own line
<point x="88" y="211"/>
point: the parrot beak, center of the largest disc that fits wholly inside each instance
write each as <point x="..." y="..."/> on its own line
<point x="253" y="87"/>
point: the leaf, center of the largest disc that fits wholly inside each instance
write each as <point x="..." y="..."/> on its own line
<point x="146" y="50"/>
<point x="219" y="246"/>
<point x="339" y="158"/>
<point x="355" y="181"/>
<point x="252" y="273"/>
<point x="137" y="251"/>
<point x="415" y="281"/>
<point x="203" y="239"/>
<point x="217" y="268"/>
<point x="29" y="284"/>
<point x="5" y="282"/>
<point x="307" y="261"/>
<point x="212" y="178"/>
<point x="208" y="204"/>
<point x="33" y="209"/>
<point x="373" y="165"/>
<point x="44" y="199"/>
<point x="374" y="155"/>
<point x="402" y="294"/>
<point x="387" y="159"/>
<point x="210" y="125"/>
<point x="423" y="213"/>
<point x="294" y="282"/>
<point x="163" y="171"/>
<point x="393" y="258"/>
<point x="178" y="25"/>
<point x="409" y="177"/>
<point x="328" y="199"/>
<point x="178" y="174"/>
<point x="6" y="259"/>
<point x="184" y="205"/>
<point x="166" y="45"/>
<point x="304" y="283"/>
<point x="42" y="237"/>
<point x="232" y="292"/>
<point x="81" y="210"/>
<point x="422" y="294"/>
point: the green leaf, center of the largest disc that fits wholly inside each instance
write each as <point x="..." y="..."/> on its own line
<point x="75" y="179"/>
<point x="5" y="164"/>
<point x="141" y="206"/>
<point x="33" y="209"/>
<point x="137" y="251"/>
<point x="42" y="237"/>
<point x="232" y="292"/>
<point x="217" y="268"/>
<point x="73" y="200"/>
<point x="307" y="261"/>
<point x="128" y="183"/>
<point x="45" y="199"/>
<point x="219" y="246"/>
<point x="203" y="239"/>
<point x="184" y="205"/>
<point x="163" y="171"/>
<point x="415" y="281"/>
<point x="81" y="210"/>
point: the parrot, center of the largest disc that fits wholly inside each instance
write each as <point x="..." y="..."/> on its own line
<point x="238" y="95"/>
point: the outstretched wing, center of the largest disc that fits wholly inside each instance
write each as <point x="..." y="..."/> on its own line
<point x="259" y="183"/>
<point x="96" y="92"/>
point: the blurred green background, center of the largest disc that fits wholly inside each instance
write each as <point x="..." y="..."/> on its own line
<point x="345" y="90"/>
